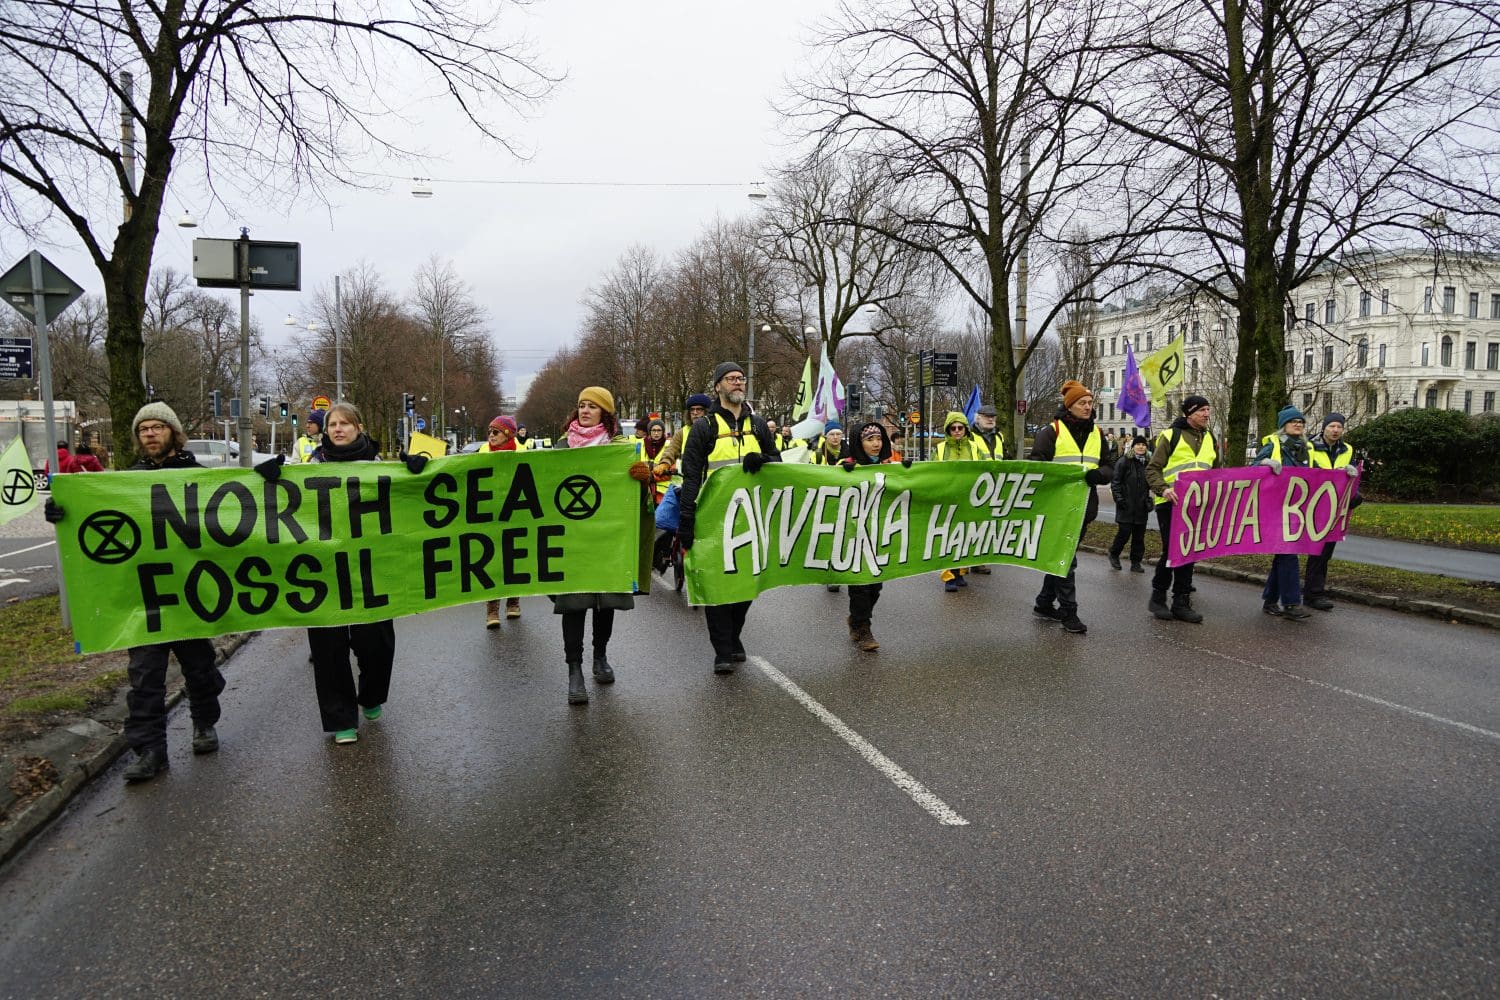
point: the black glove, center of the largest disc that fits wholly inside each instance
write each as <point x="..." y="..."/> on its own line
<point x="271" y="467"/>
<point x="414" y="463"/>
<point x="1094" y="477"/>
<point x="52" y="512"/>
<point x="906" y="463"/>
<point x="685" y="533"/>
<point x="847" y="463"/>
<point x="752" y="462"/>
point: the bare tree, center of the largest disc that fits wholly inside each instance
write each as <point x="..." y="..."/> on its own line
<point x="1297" y="134"/>
<point x="271" y="95"/>
<point x="454" y="335"/>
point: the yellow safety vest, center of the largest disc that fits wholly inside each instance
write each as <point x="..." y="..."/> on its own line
<point x="1067" y="450"/>
<point x="959" y="447"/>
<point x="305" y="447"/>
<point x="732" y="444"/>
<point x="1185" y="459"/>
<point x="1320" y="458"/>
<point x="984" y="449"/>
<point x="1274" y="440"/>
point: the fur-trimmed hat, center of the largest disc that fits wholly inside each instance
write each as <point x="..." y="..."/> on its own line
<point x="156" y="411"/>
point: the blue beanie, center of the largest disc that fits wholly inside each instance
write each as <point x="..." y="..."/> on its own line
<point x="832" y="425"/>
<point x="1287" y="415"/>
<point x="315" y="416"/>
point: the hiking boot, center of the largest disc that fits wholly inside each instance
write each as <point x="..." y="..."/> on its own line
<point x="1051" y="614"/>
<point x="950" y="587"/>
<point x="577" y="693"/>
<point x="1295" y="613"/>
<point x="1072" y="624"/>
<point x="147" y="765"/>
<point x="1137" y="568"/>
<point x="981" y="570"/>
<point x="1158" y="605"/>
<point x="1271" y="608"/>
<point x="1319" y="602"/>
<point x="512" y="607"/>
<point x="205" y="740"/>
<point x="1114" y="561"/>
<point x="866" y="639"/>
<point x="491" y="614"/>
<point x="1182" y="609"/>
<point x="723" y="664"/>
<point x="603" y="672"/>
<point x="853" y="630"/>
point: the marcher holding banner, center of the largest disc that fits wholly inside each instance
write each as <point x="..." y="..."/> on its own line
<point x="1287" y="448"/>
<point x="871" y="447"/>
<point x="163" y="450"/>
<point x="1072" y="438"/>
<point x="728" y="435"/>
<point x="312" y="437"/>
<point x="1329" y="452"/>
<point x="1186" y="445"/>
<point x="501" y="437"/>
<point x="957" y="446"/>
<point x="592" y="423"/>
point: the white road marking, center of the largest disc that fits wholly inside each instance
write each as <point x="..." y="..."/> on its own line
<point x="16" y="579"/>
<point x="1466" y="727"/>
<point x="935" y="807"/>
<point x="7" y="555"/>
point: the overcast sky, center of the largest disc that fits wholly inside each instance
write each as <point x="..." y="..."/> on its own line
<point x="656" y="91"/>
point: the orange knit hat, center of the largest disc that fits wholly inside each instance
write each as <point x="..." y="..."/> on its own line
<point x="1073" y="391"/>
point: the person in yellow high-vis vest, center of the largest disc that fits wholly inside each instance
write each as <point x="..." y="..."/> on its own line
<point x="312" y="437"/>
<point x="1186" y="445"/>
<point x="729" y="434"/>
<point x="957" y="445"/>
<point x="1330" y="451"/>
<point x="991" y="445"/>
<point x="1071" y="438"/>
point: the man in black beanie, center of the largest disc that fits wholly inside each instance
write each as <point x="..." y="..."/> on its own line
<point x="1185" y="446"/>
<point x="1330" y="451"/>
<point x="728" y="434"/>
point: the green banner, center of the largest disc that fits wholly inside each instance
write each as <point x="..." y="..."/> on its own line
<point x="155" y="556"/>
<point x="799" y="524"/>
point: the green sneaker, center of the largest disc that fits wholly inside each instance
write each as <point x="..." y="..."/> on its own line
<point x="346" y="736"/>
<point x="371" y="714"/>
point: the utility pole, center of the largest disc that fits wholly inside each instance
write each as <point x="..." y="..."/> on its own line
<point x="1023" y="268"/>
<point x="242" y="265"/>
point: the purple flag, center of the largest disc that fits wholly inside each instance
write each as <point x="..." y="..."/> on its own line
<point x="1132" y="398"/>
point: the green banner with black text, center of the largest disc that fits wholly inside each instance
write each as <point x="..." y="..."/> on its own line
<point x="156" y="556"/>
<point x="798" y="524"/>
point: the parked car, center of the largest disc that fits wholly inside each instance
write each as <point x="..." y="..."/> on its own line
<point x="212" y="451"/>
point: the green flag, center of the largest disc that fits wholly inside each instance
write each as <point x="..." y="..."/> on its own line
<point x="803" y="406"/>
<point x="800" y="524"/>
<point x="183" y="554"/>
<point x="18" y="492"/>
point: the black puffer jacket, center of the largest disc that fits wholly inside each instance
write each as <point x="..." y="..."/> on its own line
<point x="1133" y="501"/>
<point x="183" y="459"/>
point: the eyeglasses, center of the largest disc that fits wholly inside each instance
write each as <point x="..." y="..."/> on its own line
<point x="733" y="379"/>
<point x="152" y="429"/>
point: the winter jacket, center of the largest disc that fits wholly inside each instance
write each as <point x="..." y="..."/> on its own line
<point x="854" y="446"/>
<point x="701" y="440"/>
<point x="563" y="603"/>
<point x="1162" y="453"/>
<point x="1044" y="449"/>
<point x="1132" y="495"/>
<point x="1295" y="452"/>
<point x="183" y="459"/>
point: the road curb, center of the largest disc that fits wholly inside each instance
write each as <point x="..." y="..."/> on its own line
<point x="80" y="752"/>
<point x="1395" y="602"/>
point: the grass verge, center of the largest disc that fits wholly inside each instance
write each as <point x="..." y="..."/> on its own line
<point x="41" y="677"/>
<point x="1475" y="594"/>
<point x="1459" y="526"/>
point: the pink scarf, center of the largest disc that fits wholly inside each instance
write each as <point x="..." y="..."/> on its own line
<point x="587" y="437"/>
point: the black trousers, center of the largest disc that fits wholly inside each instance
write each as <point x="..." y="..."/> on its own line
<point x="146" y="728"/>
<point x="1181" y="578"/>
<point x="374" y="647"/>
<point x="725" y="622"/>
<point x="862" y="598"/>
<point x="572" y="622"/>
<point x="1315" y="577"/>
<point x="1136" y="533"/>
<point x="1061" y="589"/>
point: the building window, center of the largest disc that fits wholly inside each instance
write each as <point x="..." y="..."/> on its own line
<point x="1450" y="298"/>
<point x="1489" y="402"/>
<point x="1427" y="299"/>
<point x="1113" y="347"/>
<point x="1111" y="411"/>
<point x="1197" y="329"/>
<point x="1101" y="347"/>
<point x="1492" y="357"/>
<point x="1473" y="305"/>
<point x="1328" y="359"/>
<point x="1372" y="401"/>
<point x="1381" y="353"/>
<point x="1195" y="371"/>
<point x="1310" y="313"/>
<point x="1426" y="355"/>
<point x="1385" y="301"/>
<point x="1291" y="361"/>
<point x="1111" y="379"/>
<point x="1362" y="354"/>
<point x="1171" y="331"/>
<point x="1431" y="402"/>
<point x="1364" y="304"/>
<point x="1148" y="340"/>
<point x="1495" y="305"/>
<point x="1468" y="401"/>
<point x="1446" y="353"/>
<point x="1306" y="401"/>
<point x="1307" y="361"/>
<point x="1328" y="311"/>
<point x="1327" y="403"/>
<point x="1470" y="354"/>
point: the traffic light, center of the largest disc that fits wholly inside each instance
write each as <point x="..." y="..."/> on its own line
<point x="855" y="398"/>
<point x="218" y="403"/>
<point x="283" y="406"/>
<point x="265" y="406"/>
<point x="234" y="408"/>
<point x="408" y="402"/>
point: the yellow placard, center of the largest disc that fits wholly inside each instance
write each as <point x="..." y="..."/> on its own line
<point x="426" y="444"/>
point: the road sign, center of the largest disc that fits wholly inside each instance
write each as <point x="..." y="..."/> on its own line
<point x="58" y="290"/>
<point x="421" y="423"/>
<point x="15" y="357"/>
<point x="944" y="369"/>
<point x="915" y="416"/>
<point x="321" y="403"/>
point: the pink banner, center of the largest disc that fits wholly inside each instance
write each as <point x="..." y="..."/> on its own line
<point x="1227" y="512"/>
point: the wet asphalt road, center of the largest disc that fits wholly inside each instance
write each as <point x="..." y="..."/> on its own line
<point x="1245" y="808"/>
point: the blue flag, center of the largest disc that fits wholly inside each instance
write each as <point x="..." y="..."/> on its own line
<point x="1132" y="400"/>
<point x="972" y="406"/>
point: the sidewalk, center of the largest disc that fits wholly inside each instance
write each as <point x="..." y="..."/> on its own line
<point x="1461" y="564"/>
